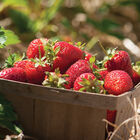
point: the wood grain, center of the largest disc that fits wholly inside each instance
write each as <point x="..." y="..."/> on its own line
<point x="58" y="114"/>
<point x="68" y="122"/>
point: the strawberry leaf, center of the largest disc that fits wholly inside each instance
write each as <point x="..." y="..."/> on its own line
<point x="3" y="38"/>
<point x="12" y="58"/>
<point x="8" y="116"/>
<point x="7" y="37"/>
<point x="92" y="60"/>
<point x="138" y="63"/>
<point x="80" y="45"/>
<point x="57" y="50"/>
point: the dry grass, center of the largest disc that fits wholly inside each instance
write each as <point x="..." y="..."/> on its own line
<point x="134" y="132"/>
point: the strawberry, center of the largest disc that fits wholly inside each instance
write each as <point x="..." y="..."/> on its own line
<point x="35" y="47"/>
<point x="16" y="74"/>
<point x="35" y="72"/>
<point x="55" y="79"/>
<point x="87" y="56"/>
<point x="103" y="73"/>
<point x="136" y="73"/>
<point x="119" y="60"/>
<point x="66" y="56"/>
<point x="117" y="82"/>
<point x="22" y="63"/>
<point x="75" y="70"/>
<point x="88" y="82"/>
<point x="135" y="77"/>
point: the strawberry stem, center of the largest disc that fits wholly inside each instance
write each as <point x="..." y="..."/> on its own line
<point x="100" y="44"/>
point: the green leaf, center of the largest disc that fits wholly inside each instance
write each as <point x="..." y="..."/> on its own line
<point x="3" y="38"/>
<point x="107" y="26"/>
<point x="15" y="2"/>
<point x="48" y="14"/>
<point x="11" y="38"/>
<point x="92" y="60"/>
<point x="138" y="63"/>
<point x="7" y="37"/>
<point x="8" y="116"/>
<point x="82" y="89"/>
<point x="10" y="126"/>
<point x="22" y="21"/>
<point x="12" y="58"/>
<point x="57" y="49"/>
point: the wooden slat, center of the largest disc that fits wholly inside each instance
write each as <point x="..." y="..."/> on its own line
<point x="24" y="108"/>
<point x="59" y="95"/>
<point x="51" y="113"/>
<point x="126" y="111"/>
<point x="59" y="121"/>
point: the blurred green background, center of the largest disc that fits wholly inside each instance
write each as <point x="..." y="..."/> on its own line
<point x="116" y="23"/>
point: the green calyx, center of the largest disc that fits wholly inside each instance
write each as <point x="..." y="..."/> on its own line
<point x="55" y="79"/>
<point x="95" y="71"/>
<point x="12" y="58"/>
<point x="80" y="45"/>
<point x="50" y="54"/>
<point x="109" y="55"/>
<point x="92" y="85"/>
<point x="136" y="67"/>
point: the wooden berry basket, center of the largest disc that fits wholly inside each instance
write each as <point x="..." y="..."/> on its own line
<point x="56" y="114"/>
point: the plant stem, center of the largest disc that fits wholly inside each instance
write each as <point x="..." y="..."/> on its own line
<point x="102" y="48"/>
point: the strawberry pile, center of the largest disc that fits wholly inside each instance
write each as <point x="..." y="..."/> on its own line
<point x="69" y="66"/>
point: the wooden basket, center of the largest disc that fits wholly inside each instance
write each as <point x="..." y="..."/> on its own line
<point x="56" y="114"/>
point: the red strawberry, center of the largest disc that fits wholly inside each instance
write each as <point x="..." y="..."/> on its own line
<point x="86" y="76"/>
<point x="35" y="74"/>
<point x="111" y="116"/>
<point x="75" y="70"/>
<point x="55" y="79"/>
<point x="117" y="82"/>
<point x="103" y="73"/>
<point x="136" y="73"/>
<point x="66" y="56"/>
<point x="119" y="61"/>
<point x="34" y="46"/>
<point x="88" y="82"/>
<point x="87" y="56"/>
<point x="135" y="77"/>
<point x="16" y="74"/>
<point x="22" y="63"/>
<point x="60" y="63"/>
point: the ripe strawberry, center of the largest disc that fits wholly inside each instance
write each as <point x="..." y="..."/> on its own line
<point x="22" y="63"/>
<point x="117" y="82"/>
<point x="55" y="79"/>
<point x="35" y="46"/>
<point x="16" y="74"/>
<point x="103" y="73"/>
<point x="136" y="73"/>
<point x="75" y="70"/>
<point x="78" y="82"/>
<point x="66" y="56"/>
<point x="35" y="74"/>
<point x="120" y="60"/>
<point x="87" y="56"/>
<point x="135" y="77"/>
<point x="88" y="82"/>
